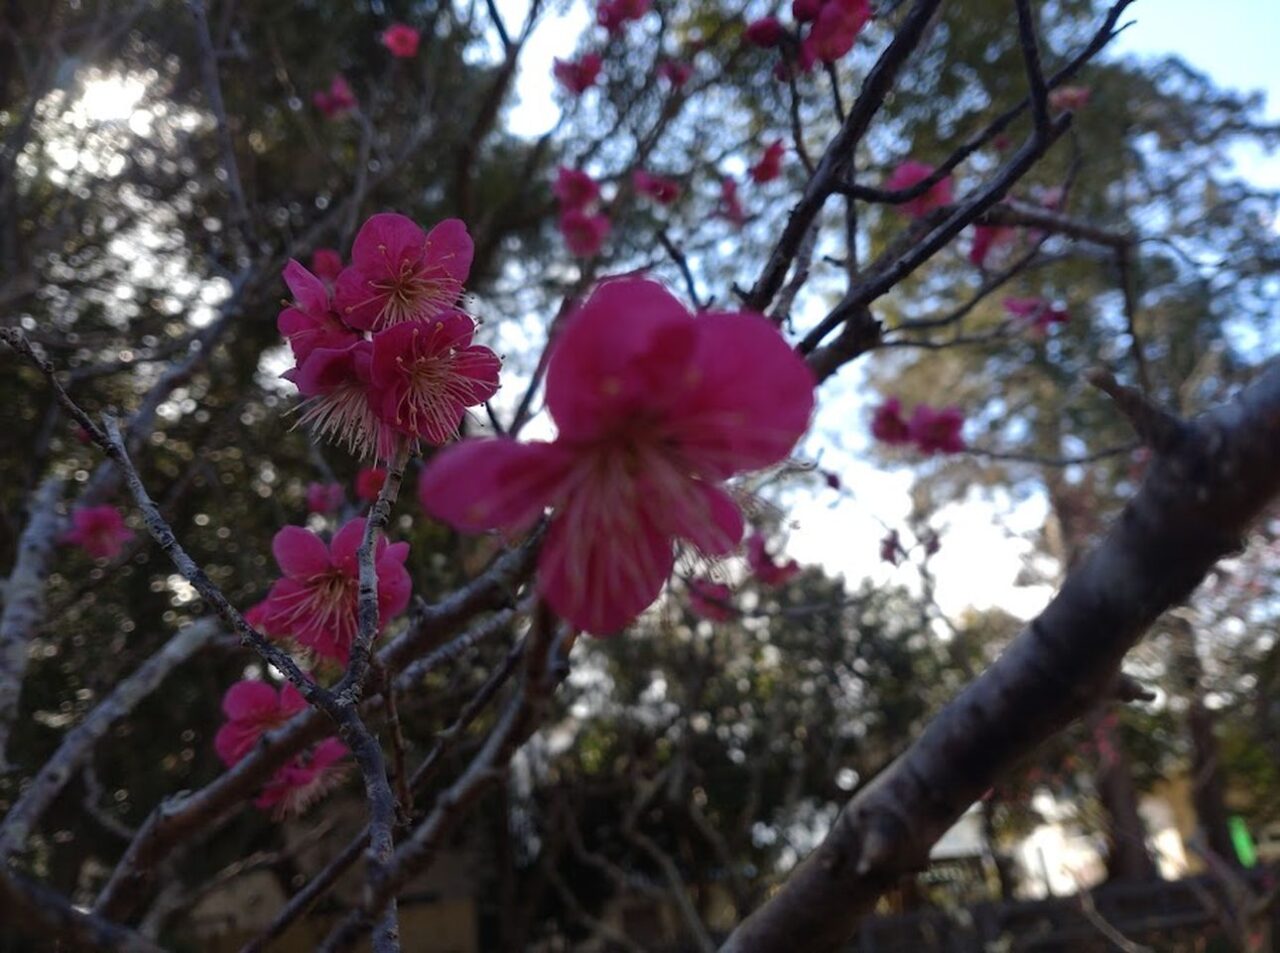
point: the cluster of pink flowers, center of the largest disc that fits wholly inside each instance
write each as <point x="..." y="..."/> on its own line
<point x="655" y="409"/>
<point x="325" y="498"/>
<point x="98" y="530"/>
<point x="764" y="567"/>
<point x="577" y="76"/>
<point x="314" y="603"/>
<point x="613" y="15"/>
<point x="834" y="26"/>
<point x="253" y="708"/>
<point x="386" y="356"/>
<point x="583" y="227"/>
<point x="910" y="174"/>
<point x="337" y="100"/>
<point x="986" y="239"/>
<point x="1039" y="314"/>
<point x="730" y="204"/>
<point x="326" y="264"/>
<point x="661" y="189"/>
<point x="369" y="483"/>
<point x="932" y="430"/>
<point x="401" y="40"/>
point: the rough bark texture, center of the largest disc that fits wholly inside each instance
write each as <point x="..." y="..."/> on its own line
<point x="1209" y="479"/>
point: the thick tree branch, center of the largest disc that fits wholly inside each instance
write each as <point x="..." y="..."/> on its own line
<point x="1197" y="501"/>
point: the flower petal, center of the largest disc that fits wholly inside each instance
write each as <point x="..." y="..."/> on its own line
<point x="752" y="399"/>
<point x="250" y="701"/>
<point x="308" y="290"/>
<point x="628" y="347"/>
<point x="601" y="566"/>
<point x="344" y="546"/>
<point x="300" y="553"/>
<point x="479" y="485"/>
<point x="384" y="242"/>
<point x="449" y="247"/>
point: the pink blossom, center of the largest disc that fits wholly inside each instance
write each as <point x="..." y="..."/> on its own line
<point x="326" y="263"/>
<point x="315" y="601"/>
<point x="762" y="565"/>
<point x="888" y="425"/>
<point x="574" y="188"/>
<point x="1070" y="98"/>
<point x="730" y="206"/>
<point x="426" y="374"/>
<point x="770" y="165"/>
<point x="675" y="72"/>
<point x="937" y="431"/>
<point x="584" y="233"/>
<point x="577" y="76"/>
<point x="258" y="615"/>
<point x="304" y="780"/>
<point x="1037" y="312"/>
<point x="662" y="190"/>
<point x="99" y="531"/>
<point x="324" y="497"/>
<point x="253" y="708"/>
<point x="709" y="600"/>
<point x="337" y="100"/>
<point x="932" y="543"/>
<point x="891" y="548"/>
<point x="369" y="483"/>
<point x="765" y="32"/>
<point x="910" y="174"/>
<point x="310" y="322"/>
<point x="654" y="410"/>
<point x="836" y="28"/>
<point x="402" y="40"/>
<point x="399" y="273"/>
<point x="613" y="15"/>
<point x="986" y="239"/>
<point x="335" y="383"/>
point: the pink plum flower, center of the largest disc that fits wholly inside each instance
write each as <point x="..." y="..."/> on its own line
<point x="400" y="273"/>
<point x="337" y="100"/>
<point x="336" y="384"/>
<point x="770" y="165"/>
<point x="310" y="322"/>
<point x="709" y="600"/>
<point x="937" y="430"/>
<point x="577" y="76"/>
<point x="1070" y="98"/>
<point x="766" y="32"/>
<point x="888" y="425"/>
<point x="910" y="174"/>
<point x="99" y="531"/>
<point x="425" y="374"/>
<point x="654" y="410"/>
<point x="1039" y="314"/>
<point x="762" y="565"/>
<point x="662" y="190"/>
<point x="326" y="263"/>
<point x="253" y="708"/>
<point x="891" y="548"/>
<point x="304" y="780"/>
<point x="324" y="497"/>
<point x="402" y="40"/>
<point x="986" y="239"/>
<point x="315" y="601"/>
<point x="730" y="206"/>
<point x="836" y="28"/>
<point x="369" y="483"/>
<point x="675" y="72"/>
<point x="574" y="188"/>
<point x="583" y="232"/>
